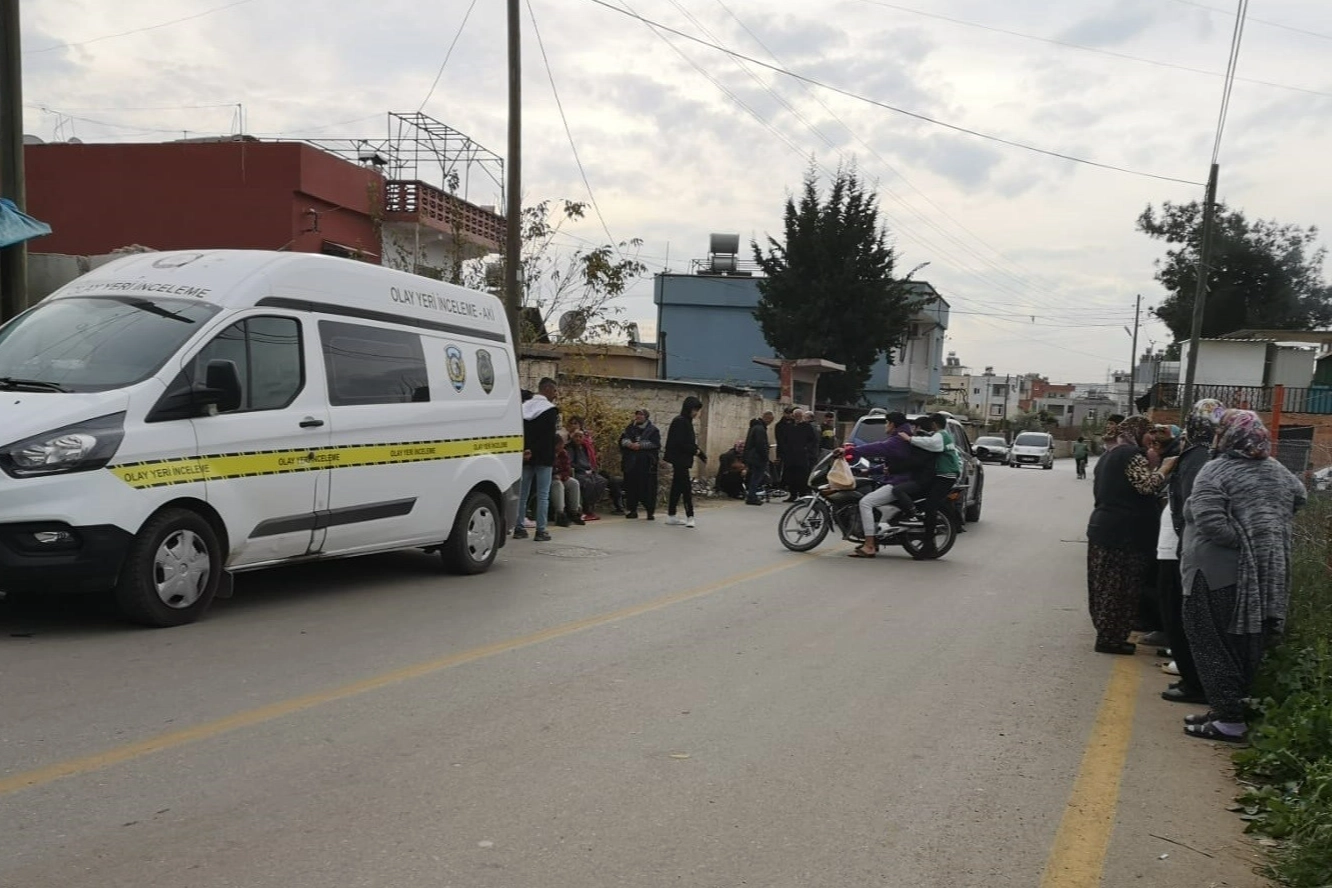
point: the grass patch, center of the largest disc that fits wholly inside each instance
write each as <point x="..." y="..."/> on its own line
<point x="1288" y="766"/>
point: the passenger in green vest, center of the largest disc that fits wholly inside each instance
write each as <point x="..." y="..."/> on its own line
<point x="947" y="469"/>
<point x="1080" y="453"/>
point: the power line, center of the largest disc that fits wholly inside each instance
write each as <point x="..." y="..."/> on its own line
<point x="188" y="18"/>
<point x="1231" y="65"/>
<point x="550" y="74"/>
<point x="447" y="56"/>
<point x="1092" y="49"/>
<point x="1268" y="22"/>
<point x="912" y="114"/>
<point x="1027" y="285"/>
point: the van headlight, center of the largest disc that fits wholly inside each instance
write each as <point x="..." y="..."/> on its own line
<point x="77" y="448"/>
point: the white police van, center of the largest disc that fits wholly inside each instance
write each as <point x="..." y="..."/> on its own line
<point x="173" y="418"/>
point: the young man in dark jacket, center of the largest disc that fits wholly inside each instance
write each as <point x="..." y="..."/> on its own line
<point x="541" y="419"/>
<point x="681" y="450"/>
<point x="640" y="447"/>
<point x="756" y="457"/>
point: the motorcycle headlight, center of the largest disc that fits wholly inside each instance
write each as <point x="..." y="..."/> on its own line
<point x="77" y="448"/>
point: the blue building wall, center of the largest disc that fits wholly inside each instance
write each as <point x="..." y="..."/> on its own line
<point x="711" y="335"/>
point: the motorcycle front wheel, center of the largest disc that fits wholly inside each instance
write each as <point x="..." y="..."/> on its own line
<point x="804" y="524"/>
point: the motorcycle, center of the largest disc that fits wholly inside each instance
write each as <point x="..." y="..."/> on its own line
<point x="808" y="520"/>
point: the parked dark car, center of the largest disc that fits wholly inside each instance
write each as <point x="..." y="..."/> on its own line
<point x="873" y="427"/>
<point x="991" y="448"/>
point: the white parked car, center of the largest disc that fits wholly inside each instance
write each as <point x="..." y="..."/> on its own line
<point x="1032" y="449"/>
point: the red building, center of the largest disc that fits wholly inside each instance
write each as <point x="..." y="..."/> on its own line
<point x="244" y="194"/>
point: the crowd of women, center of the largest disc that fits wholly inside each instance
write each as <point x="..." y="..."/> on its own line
<point x="1212" y="512"/>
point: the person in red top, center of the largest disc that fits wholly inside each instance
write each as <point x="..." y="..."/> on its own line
<point x="583" y="457"/>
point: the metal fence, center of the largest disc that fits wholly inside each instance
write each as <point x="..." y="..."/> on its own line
<point x="1315" y="399"/>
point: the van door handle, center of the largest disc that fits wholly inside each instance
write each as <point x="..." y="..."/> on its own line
<point x="311" y="423"/>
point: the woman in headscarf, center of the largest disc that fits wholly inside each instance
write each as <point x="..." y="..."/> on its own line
<point x="1199" y="434"/>
<point x="1235" y="562"/>
<point x="1121" y="535"/>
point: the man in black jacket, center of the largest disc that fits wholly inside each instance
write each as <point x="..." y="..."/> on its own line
<point x="640" y="447"/>
<point x="681" y="450"/>
<point x="541" y="419"/>
<point x="756" y="457"/>
<point x="802" y="451"/>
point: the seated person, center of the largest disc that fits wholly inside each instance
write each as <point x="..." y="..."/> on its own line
<point x="566" y="496"/>
<point x="591" y="480"/>
<point x="731" y="472"/>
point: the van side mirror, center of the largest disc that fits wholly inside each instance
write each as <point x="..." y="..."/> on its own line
<point x="222" y="386"/>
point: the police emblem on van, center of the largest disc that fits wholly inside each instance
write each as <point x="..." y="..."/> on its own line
<point x="457" y="369"/>
<point x="485" y="371"/>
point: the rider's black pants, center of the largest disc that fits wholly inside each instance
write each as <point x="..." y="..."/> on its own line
<point x="936" y="498"/>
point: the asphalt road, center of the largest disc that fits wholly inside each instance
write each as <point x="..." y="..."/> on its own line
<point x="631" y="704"/>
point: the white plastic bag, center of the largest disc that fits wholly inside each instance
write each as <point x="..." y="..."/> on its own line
<point x="840" y="477"/>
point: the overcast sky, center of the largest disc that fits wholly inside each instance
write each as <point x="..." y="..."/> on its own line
<point x="1037" y="255"/>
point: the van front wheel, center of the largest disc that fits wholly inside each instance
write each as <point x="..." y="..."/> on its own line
<point x="474" y="541"/>
<point x="171" y="572"/>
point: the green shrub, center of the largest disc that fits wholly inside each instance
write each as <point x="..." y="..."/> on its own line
<point x="1288" y="764"/>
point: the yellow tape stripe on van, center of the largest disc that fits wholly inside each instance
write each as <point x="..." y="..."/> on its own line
<point x="166" y="472"/>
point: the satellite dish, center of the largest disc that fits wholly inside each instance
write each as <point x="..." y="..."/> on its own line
<point x="573" y="324"/>
<point x="29" y="139"/>
<point x="74" y="140"/>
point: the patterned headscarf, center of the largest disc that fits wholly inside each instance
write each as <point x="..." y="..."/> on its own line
<point x="1243" y="436"/>
<point x="1132" y="430"/>
<point x="1200" y="427"/>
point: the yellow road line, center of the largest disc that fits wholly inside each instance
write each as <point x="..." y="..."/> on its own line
<point x="1078" y="855"/>
<point x="282" y="708"/>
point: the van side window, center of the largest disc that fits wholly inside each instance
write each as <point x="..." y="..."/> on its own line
<point x="267" y="354"/>
<point x="371" y="365"/>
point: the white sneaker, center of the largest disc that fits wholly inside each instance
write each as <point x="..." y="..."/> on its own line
<point x="671" y="519"/>
<point x="1170" y="668"/>
<point x="528" y="522"/>
<point x="689" y="522"/>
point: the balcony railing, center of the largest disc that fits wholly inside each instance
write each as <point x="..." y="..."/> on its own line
<point x="1315" y="399"/>
<point x="423" y="203"/>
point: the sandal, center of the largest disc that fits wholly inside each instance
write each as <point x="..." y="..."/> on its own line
<point x="1210" y="731"/>
<point x="861" y="553"/>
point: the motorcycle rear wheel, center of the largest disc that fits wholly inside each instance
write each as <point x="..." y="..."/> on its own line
<point x="804" y="524"/>
<point x="945" y="535"/>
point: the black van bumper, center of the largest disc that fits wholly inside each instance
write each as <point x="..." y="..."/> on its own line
<point x="53" y="557"/>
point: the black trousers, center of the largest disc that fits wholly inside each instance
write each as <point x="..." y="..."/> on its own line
<point x="681" y="486"/>
<point x="936" y="501"/>
<point x="1171" y="587"/>
<point x="640" y="487"/>
<point x="795" y="478"/>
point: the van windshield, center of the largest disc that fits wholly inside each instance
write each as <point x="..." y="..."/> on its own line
<point x="1032" y="440"/>
<point x="96" y="343"/>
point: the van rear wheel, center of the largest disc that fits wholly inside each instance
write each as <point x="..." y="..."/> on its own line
<point x="472" y="545"/>
<point x="171" y="571"/>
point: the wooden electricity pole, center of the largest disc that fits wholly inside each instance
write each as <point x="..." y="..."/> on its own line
<point x="13" y="259"/>
<point x="513" y="239"/>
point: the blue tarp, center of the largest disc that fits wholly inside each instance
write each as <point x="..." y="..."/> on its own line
<point x="16" y="227"/>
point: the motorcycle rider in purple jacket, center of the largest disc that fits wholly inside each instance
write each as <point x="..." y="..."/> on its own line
<point x="895" y="451"/>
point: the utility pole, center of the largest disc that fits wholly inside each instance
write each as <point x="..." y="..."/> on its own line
<point x="13" y="259"/>
<point x="513" y="239"/>
<point x="1133" y="357"/>
<point x="1200" y="293"/>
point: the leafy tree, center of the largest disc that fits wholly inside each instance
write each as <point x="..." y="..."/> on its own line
<point x="586" y="281"/>
<point x="829" y="290"/>
<point x="1262" y="274"/>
